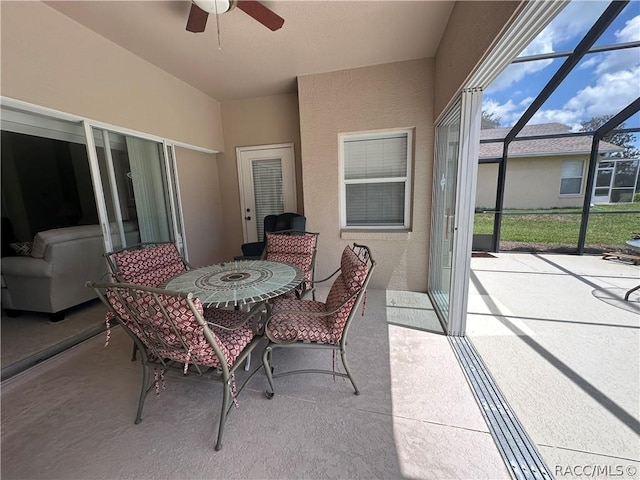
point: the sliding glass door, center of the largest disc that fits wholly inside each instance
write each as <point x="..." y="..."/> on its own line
<point x="453" y="201"/>
<point x="443" y="209"/>
<point x="134" y="180"/>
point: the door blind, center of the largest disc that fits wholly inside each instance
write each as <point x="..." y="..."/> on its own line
<point x="267" y="187"/>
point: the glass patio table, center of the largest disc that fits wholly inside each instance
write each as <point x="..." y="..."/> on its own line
<point x="237" y="283"/>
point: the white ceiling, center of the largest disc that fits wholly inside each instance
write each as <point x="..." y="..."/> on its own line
<point x="317" y="36"/>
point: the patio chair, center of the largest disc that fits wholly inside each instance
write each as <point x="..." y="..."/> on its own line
<point x="297" y="249"/>
<point x="295" y="323"/>
<point x="150" y="264"/>
<point x="171" y="329"/>
<point x="272" y="223"/>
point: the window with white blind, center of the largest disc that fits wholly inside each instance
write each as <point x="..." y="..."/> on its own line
<point x="571" y="177"/>
<point x="375" y="179"/>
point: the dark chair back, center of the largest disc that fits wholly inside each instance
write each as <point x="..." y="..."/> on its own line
<point x="273" y="223"/>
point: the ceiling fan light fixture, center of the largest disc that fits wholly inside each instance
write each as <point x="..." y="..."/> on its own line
<point x="216" y="6"/>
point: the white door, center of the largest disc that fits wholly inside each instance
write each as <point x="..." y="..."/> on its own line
<point x="267" y="185"/>
<point x="602" y="185"/>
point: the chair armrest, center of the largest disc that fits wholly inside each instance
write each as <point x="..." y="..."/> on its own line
<point x="313" y="282"/>
<point x="256" y="310"/>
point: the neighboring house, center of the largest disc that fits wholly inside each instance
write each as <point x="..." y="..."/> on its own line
<point x="547" y="173"/>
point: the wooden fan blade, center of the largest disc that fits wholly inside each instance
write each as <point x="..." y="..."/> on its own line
<point x="261" y="13"/>
<point x="197" y="19"/>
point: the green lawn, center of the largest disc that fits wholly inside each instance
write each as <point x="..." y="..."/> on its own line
<point x="562" y="226"/>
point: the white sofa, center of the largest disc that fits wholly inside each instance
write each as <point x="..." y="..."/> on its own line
<point x="53" y="277"/>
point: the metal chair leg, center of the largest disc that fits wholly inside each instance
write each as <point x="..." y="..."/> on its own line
<point x="223" y="413"/>
<point x="247" y="363"/>
<point x="143" y="391"/>
<point x="133" y="353"/>
<point x="343" y="355"/>
<point x="266" y="356"/>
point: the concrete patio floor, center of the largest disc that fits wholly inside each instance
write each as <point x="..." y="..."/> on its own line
<point x="553" y="330"/>
<point x="564" y="348"/>
<point x="416" y="417"/>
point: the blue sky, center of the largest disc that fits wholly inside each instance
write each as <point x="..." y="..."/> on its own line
<point x="601" y="84"/>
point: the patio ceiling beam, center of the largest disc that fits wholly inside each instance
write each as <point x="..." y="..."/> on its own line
<point x="559" y="135"/>
<point x="566" y="53"/>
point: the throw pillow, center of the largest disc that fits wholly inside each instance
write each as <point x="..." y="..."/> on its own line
<point x="22" y="248"/>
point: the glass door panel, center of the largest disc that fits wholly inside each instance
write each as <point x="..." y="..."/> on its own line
<point x="136" y="189"/>
<point x="443" y="211"/>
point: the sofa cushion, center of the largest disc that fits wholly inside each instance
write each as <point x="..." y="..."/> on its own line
<point x="58" y="235"/>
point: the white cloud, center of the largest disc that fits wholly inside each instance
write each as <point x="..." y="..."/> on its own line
<point x="573" y="21"/>
<point x="630" y="32"/>
<point x="620" y="59"/>
<point x="613" y="77"/>
<point x="610" y="94"/>
<point x="509" y="112"/>
<point x="516" y="72"/>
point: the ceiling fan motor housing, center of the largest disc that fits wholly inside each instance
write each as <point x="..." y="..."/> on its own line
<point x="216" y="6"/>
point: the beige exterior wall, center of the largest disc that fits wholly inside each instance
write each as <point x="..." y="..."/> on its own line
<point x="198" y="180"/>
<point x="52" y="61"/>
<point x="531" y="182"/>
<point x="396" y="95"/>
<point x="249" y="122"/>
<point x="472" y="30"/>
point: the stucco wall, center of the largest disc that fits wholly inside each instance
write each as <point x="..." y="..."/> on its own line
<point x="249" y="122"/>
<point x="198" y="180"/>
<point x="472" y="29"/>
<point x="52" y="61"/>
<point x="531" y="182"/>
<point x="396" y="95"/>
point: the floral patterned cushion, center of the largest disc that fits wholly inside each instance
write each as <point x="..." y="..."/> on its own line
<point x="159" y="335"/>
<point x="298" y="326"/>
<point x="150" y="266"/>
<point x="296" y="250"/>
<point x="326" y="329"/>
<point x="353" y="273"/>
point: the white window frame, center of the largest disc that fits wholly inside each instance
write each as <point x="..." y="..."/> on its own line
<point x="566" y="178"/>
<point x="374" y="135"/>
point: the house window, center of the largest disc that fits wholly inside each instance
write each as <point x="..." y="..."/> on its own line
<point x="375" y="178"/>
<point x="571" y="177"/>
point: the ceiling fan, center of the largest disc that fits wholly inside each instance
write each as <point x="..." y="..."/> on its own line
<point x="200" y="10"/>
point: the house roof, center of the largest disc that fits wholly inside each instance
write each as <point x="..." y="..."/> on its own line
<point x="550" y="146"/>
<point x="253" y="61"/>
